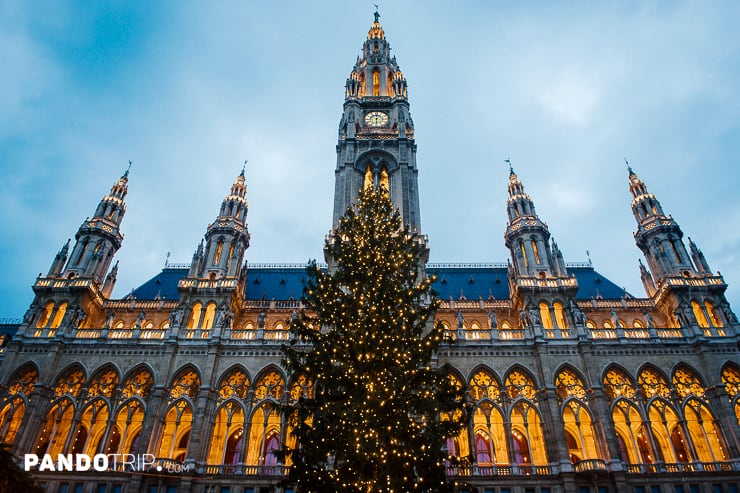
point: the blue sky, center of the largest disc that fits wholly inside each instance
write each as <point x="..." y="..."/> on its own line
<point x="189" y="90"/>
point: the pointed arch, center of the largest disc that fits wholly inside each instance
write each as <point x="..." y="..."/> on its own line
<point x="569" y="382"/>
<point x="665" y="424"/>
<point x="490" y="434"/>
<point x="56" y="428"/>
<point x="227" y="432"/>
<point x="705" y="435"/>
<point x="264" y="435"/>
<point x="528" y="438"/>
<point x="70" y="381"/>
<point x="93" y="423"/>
<point x="687" y="381"/>
<point x="104" y="381"/>
<point x="617" y="382"/>
<point x="520" y="382"/>
<point x="138" y="382"/>
<point x="632" y="433"/>
<point x="653" y="382"/>
<point x="186" y="382"/>
<point x="269" y="384"/>
<point x="175" y="436"/>
<point x="24" y="379"/>
<point x="126" y="427"/>
<point x="234" y="383"/>
<point x="484" y="384"/>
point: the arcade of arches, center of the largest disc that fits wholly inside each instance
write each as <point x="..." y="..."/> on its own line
<point x="516" y="421"/>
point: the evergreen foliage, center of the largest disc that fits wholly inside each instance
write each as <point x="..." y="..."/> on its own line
<point x="381" y="411"/>
<point x="12" y="477"/>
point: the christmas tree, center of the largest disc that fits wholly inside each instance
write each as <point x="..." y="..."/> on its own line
<point x="380" y="410"/>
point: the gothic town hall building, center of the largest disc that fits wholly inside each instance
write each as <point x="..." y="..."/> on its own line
<point x="578" y="387"/>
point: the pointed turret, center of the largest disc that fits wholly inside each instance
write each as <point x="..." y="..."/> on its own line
<point x="99" y="237"/>
<point x="376" y="133"/>
<point x="59" y="261"/>
<point x="677" y="285"/>
<point x="538" y="278"/>
<point x="215" y="281"/>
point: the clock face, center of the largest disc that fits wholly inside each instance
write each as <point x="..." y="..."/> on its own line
<point x="376" y="119"/>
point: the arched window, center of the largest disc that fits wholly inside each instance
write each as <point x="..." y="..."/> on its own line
<point x="560" y="315"/>
<point x="139" y="384"/>
<point x="45" y="315"/>
<point x="195" y="316"/>
<point x="209" y="315"/>
<point x="176" y="431"/>
<point x="576" y="415"/>
<point x="488" y="419"/>
<point x="91" y="429"/>
<point x="103" y="384"/>
<point x="545" y="315"/>
<point x="713" y="315"/>
<point x="56" y="428"/>
<point x="59" y="315"/>
<point x="536" y="251"/>
<point x="653" y="384"/>
<point x="384" y="181"/>
<point x="524" y="253"/>
<point x="270" y="386"/>
<point x="699" y="314"/>
<point x="219" y="249"/>
<point x="266" y="423"/>
<point x="228" y="429"/>
<point x="376" y="83"/>
<point x="234" y="385"/>
<point x="127" y="428"/>
<point x="458" y="446"/>
<point x="368" y="180"/>
<point x="186" y="384"/>
<point x="70" y="383"/>
<point x="526" y="424"/>
<point x="20" y="387"/>
<point x="638" y="324"/>
<point x="731" y="381"/>
<point x="666" y="428"/>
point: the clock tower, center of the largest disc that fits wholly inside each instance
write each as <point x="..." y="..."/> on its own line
<point x="376" y="133"/>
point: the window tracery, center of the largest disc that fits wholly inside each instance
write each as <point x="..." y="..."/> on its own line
<point x="70" y="383"/>
<point x="484" y="386"/>
<point x="138" y="385"/>
<point x="270" y="385"/>
<point x="186" y="385"/>
<point x="518" y="384"/>
<point x="618" y="384"/>
<point x="568" y="384"/>
<point x="687" y="383"/>
<point x="103" y="384"/>
<point x="235" y="384"/>
<point x="653" y="384"/>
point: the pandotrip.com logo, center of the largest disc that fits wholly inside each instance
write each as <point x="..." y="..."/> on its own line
<point x="100" y="463"/>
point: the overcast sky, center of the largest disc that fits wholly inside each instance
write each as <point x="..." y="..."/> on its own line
<point x="189" y="90"/>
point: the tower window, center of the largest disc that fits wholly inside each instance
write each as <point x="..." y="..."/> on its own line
<point x="524" y="254"/>
<point x="536" y="251"/>
<point x="368" y="180"/>
<point x="376" y="83"/>
<point x="384" y="181"/>
<point x="219" y="249"/>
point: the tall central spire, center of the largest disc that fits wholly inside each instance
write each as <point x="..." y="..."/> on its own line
<point x="376" y="133"/>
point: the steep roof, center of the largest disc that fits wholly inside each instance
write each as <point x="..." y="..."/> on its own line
<point x="469" y="281"/>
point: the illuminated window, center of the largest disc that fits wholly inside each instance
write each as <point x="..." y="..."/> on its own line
<point x="59" y="315"/>
<point x="568" y="384"/>
<point x="518" y="384"/>
<point x="618" y="384"/>
<point x="376" y="83"/>
<point x="270" y="386"/>
<point x="632" y="434"/>
<point x="666" y="429"/>
<point x="91" y="429"/>
<point x="653" y="384"/>
<point x="637" y="324"/>
<point x="228" y="429"/>
<point x="590" y="324"/>
<point x="545" y="315"/>
<point x="126" y="428"/>
<point x="219" y="249"/>
<point x="524" y="253"/>
<point x="384" y="181"/>
<point x="82" y="252"/>
<point x="576" y="416"/>
<point x="704" y="432"/>
<point x="675" y="251"/>
<point x="490" y="434"/>
<point x="138" y="385"/>
<point x="209" y="315"/>
<point x="70" y="383"/>
<point x="368" y="180"/>
<point x="186" y="384"/>
<point x="235" y="384"/>
<point x="713" y="315"/>
<point x="56" y="428"/>
<point x="560" y="315"/>
<point x="103" y="384"/>
<point x="301" y="387"/>
<point x="195" y="316"/>
<point x="528" y="438"/>
<point x="536" y="251"/>
<point x="687" y="383"/>
<point x="11" y="417"/>
<point x="175" y="436"/>
<point x="484" y="386"/>
<point x="45" y="315"/>
<point x="263" y="435"/>
<point x="699" y="314"/>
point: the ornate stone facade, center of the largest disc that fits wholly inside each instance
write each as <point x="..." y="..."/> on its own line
<point x="578" y="386"/>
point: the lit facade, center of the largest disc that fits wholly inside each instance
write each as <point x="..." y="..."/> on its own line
<point x="577" y="385"/>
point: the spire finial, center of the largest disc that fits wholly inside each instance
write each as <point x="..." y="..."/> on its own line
<point x="511" y="168"/>
<point x="244" y="167"/>
<point x="125" y="174"/>
<point x="629" y="168"/>
<point x="376" y="13"/>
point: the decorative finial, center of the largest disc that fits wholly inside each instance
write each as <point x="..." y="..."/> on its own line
<point x="376" y="13"/>
<point x="588" y="255"/>
<point x="629" y="168"/>
<point x="244" y="167"/>
<point x="125" y="175"/>
<point x="167" y="259"/>
<point x="511" y="168"/>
